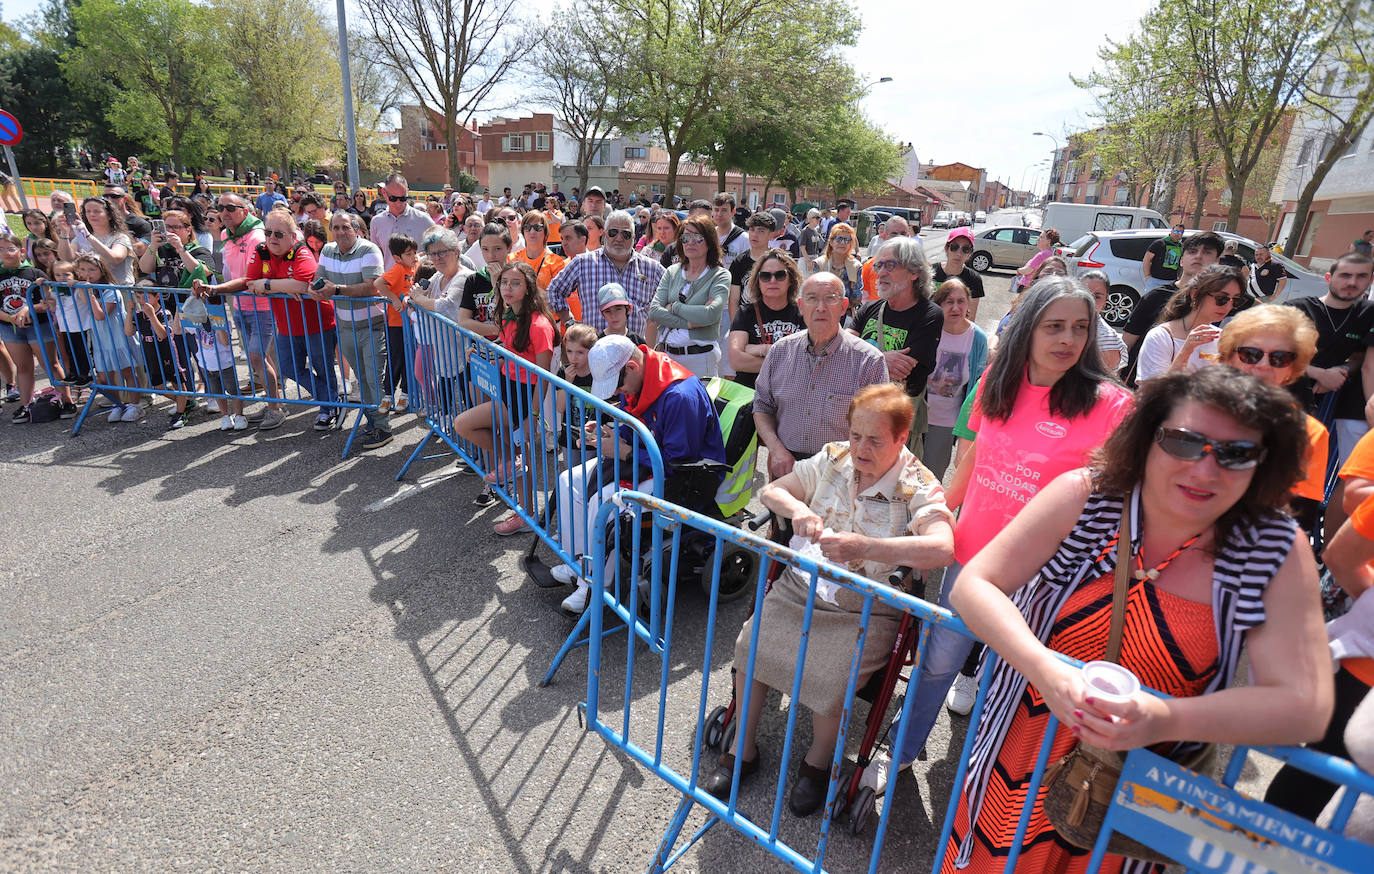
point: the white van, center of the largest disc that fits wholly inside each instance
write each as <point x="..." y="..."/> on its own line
<point x="1073" y="220"/>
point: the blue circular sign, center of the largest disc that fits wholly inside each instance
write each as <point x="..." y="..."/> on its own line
<point x="11" y="132"/>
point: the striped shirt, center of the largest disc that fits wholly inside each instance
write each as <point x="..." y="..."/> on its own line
<point x="361" y="263"/>
<point x="808" y="390"/>
<point x="586" y="273"/>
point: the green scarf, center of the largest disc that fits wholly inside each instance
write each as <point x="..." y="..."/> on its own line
<point x="250" y="222"/>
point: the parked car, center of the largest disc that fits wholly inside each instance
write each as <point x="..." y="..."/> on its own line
<point x="943" y="219"/>
<point x="1003" y="247"/>
<point x="980" y="217"/>
<point x="1120" y="254"/>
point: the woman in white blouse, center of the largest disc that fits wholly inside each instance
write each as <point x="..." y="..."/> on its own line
<point x="1186" y="337"/>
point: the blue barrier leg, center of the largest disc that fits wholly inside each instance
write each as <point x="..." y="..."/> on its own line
<point x="662" y="858"/>
<point x="85" y="411"/>
<point x="429" y="435"/>
<point x="348" y="444"/>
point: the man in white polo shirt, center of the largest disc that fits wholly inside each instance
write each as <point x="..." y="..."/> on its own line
<point x="398" y="218"/>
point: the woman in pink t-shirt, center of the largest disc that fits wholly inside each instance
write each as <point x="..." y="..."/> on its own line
<point x="1025" y="276"/>
<point x="1044" y="404"/>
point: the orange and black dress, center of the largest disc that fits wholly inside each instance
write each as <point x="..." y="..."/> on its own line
<point x="1176" y="646"/>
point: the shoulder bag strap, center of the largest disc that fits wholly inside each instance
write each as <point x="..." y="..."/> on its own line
<point x="1123" y="583"/>
<point x="758" y="317"/>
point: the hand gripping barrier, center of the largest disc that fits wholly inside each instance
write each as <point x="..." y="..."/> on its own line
<point x="679" y="764"/>
<point x="145" y="340"/>
<point x="555" y="470"/>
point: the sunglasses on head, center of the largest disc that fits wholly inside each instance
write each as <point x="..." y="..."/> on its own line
<point x="277" y="235"/>
<point x="772" y="275"/>
<point x="612" y="233"/>
<point x="952" y="247"/>
<point x="1277" y="357"/>
<point x="1188" y="445"/>
<point x="401" y="199"/>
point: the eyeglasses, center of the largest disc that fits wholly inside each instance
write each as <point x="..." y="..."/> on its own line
<point x="626" y="233"/>
<point x="1178" y="230"/>
<point x="1277" y="357"/>
<point x="510" y="218"/>
<point x="1188" y="445"/>
<point x="811" y="301"/>
<point x="529" y="228"/>
<point x="176" y="227"/>
<point x="229" y="207"/>
<point x="439" y="253"/>
<point x="772" y="275"/>
<point x="885" y="264"/>
<point x="845" y="240"/>
<point x="1223" y="300"/>
<point x="953" y="248"/>
<point x="277" y="235"/>
<point x="401" y="199"/>
<point x="692" y="239"/>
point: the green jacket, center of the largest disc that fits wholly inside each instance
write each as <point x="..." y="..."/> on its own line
<point x="706" y="297"/>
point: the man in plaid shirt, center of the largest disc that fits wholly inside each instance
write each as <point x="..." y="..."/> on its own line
<point x="615" y="261"/>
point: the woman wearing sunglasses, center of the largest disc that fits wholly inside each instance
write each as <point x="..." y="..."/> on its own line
<point x="1185" y="338"/>
<point x="767" y="312"/>
<point x="1205" y="462"/>
<point x="687" y="305"/>
<point x="1276" y="344"/>
<point x="839" y="259"/>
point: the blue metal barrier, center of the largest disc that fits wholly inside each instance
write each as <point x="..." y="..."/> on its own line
<point x="97" y="332"/>
<point x="552" y="472"/>
<point x="679" y="768"/>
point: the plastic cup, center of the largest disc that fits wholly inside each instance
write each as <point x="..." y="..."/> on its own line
<point x="1109" y="681"/>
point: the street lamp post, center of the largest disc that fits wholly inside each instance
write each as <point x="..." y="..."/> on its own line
<point x="350" y="132"/>
<point x="1040" y="133"/>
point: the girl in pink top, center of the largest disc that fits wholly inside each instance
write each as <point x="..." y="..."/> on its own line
<point x="1043" y="406"/>
<point x="1025" y="276"/>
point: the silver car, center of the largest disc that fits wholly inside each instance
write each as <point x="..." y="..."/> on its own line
<point x="1120" y="254"/>
<point x="1010" y="246"/>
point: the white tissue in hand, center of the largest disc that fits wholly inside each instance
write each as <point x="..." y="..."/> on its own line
<point x="825" y="589"/>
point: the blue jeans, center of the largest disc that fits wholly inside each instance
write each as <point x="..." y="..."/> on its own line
<point x="945" y="654"/>
<point x="309" y="360"/>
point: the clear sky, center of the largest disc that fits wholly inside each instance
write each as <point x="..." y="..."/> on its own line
<point x="971" y="81"/>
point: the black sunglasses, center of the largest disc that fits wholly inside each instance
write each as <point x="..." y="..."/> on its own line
<point x="1190" y="446"/>
<point x="777" y="275"/>
<point x="1222" y="300"/>
<point x="276" y="235"/>
<point x="953" y="248"/>
<point x="394" y="199"/>
<point x="612" y="233"/>
<point x="1277" y="358"/>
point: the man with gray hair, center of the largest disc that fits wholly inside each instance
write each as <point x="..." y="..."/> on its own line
<point x="904" y="324"/>
<point x="398" y="218"/>
<point x="615" y="261"/>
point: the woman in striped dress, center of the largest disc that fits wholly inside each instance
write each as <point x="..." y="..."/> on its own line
<point x="1207" y="461"/>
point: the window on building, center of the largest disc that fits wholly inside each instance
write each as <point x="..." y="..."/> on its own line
<point x="541" y="142"/>
<point x="780" y="200"/>
<point x="1123" y="196"/>
<point x="1305" y="153"/>
<point x="514" y="143"/>
<point x="601" y="155"/>
<point x="636" y="153"/>
<point x="529" y="143"/>
<point x="1219" y="227"/>
<point x="655" y="189"/>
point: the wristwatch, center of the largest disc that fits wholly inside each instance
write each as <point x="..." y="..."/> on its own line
<point x="267" y="285"/>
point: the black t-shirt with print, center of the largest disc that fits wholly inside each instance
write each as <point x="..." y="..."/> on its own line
<point x="776" y="325"/>
<point x="740" y="268"/>
<point x="17" y="288"/>
<point x="968" y="276"/>
<point x="478" y="297"/>
<point x="916" y="328"/>
<point x="1168" y="253"/>
<point x="1267" y="276"/>
<point x="1343" y="336"/>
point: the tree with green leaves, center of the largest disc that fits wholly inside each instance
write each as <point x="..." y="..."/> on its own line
<point x="164" y="71"/>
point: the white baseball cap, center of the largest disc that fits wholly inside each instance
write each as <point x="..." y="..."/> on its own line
<point x="606" y="358"/>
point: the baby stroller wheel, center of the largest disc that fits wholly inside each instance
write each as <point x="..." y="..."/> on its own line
<point x="727" y="740"/>
<point x="738" y="570"/>
<point x="715" y="728"/>
<point x="860" y="810"/>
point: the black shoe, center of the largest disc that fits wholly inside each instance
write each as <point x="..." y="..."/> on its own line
<point x="20" y="416"/>
<point x="808" y="792"/>
<point x="68" y="411"/>
<point x="485" y="498"/>
<point x="719" y="781"/>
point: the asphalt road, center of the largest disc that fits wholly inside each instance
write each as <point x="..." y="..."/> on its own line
<point x="235" y="652"/>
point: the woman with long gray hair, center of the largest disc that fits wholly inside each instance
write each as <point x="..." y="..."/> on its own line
<point x="1043" y="405"/>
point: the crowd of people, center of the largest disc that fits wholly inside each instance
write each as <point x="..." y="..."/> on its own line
<point x="1198" y="436"/>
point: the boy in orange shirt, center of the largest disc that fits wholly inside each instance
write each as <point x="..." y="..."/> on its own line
<point x="394" y="285"/>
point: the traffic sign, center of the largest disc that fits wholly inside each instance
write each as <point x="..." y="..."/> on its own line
<point x="11" y="131"/>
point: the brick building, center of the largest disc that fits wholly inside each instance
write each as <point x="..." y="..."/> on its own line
<point x="423" y="153"/>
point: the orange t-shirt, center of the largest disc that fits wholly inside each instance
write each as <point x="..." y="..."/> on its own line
<point x="399" y="279"/>
<point x="545" y="267"/>
<point x="1313" y="483"/>
<point x="1362" y="520"/>
<point x="555" y="229"/>
<point x="870" y="280"/>
<point x="1360" y="464"/>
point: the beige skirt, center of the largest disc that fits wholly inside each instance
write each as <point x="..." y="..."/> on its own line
<point x="830" y="645"/>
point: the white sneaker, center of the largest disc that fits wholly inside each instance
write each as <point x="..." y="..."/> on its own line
<point x="240" y="423"/>
<point x="564" y="573"/>
<point x="117" y="413"/>
<point x="575" y="603"/>
<point x="961" y="695"/>
<point x="132" y="413"/>
<point x="226" y="423"/>
<point x="875" y="776"/>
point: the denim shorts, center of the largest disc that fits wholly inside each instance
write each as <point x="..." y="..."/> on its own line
<point x="258" y="330"/>
<point x="15" y="334"/>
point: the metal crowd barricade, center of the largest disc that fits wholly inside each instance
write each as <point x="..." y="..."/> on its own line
<point x="644" y="739"/>
<point x="87" y="328"/>
<point x="537" y="460"/>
